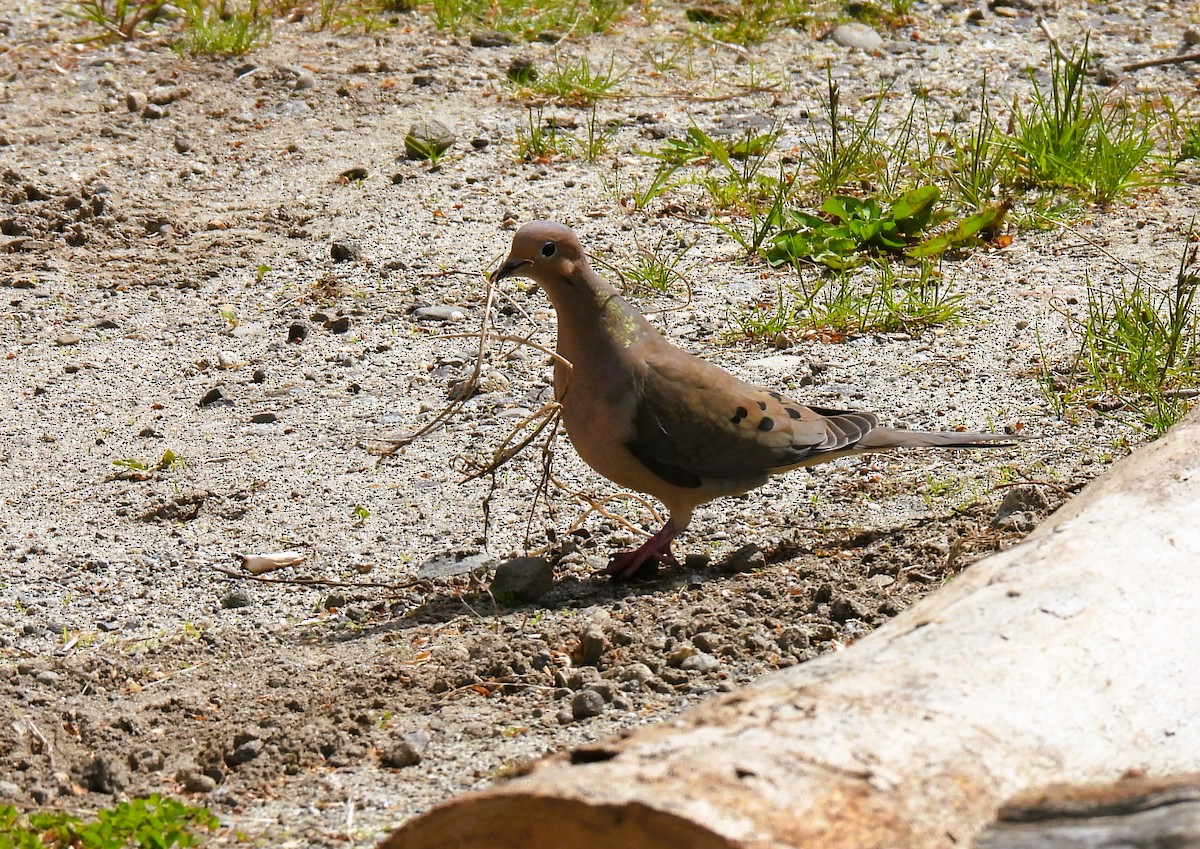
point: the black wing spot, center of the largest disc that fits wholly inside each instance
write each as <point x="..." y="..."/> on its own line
<point x="762" y="405"/>
<point x="739" y="414"/>
<point x="776" y="396"/>
<point x="767" y="423"/>
<point x="793" y="413"/>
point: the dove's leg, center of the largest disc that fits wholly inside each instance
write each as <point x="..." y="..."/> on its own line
<point x="653" y="553"/>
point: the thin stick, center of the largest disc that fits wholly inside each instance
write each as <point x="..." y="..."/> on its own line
<point x="519" y="340"/>
<point x="1169" y="60"/>
<point x="596" y="505"/>
<point x="1051" y="37"/>
<point x="549" y="414"/>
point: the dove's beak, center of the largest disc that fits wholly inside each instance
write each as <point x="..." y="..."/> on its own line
<point x="511" y="267"/>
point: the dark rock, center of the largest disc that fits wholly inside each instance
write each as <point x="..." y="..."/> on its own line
<point x="745" y="559"/>
<point x="607" y="689"/>
<point x="194" y="781"/>
<point x="1020" y="508"/>
<point x="343" y="251"/>
<point x="586" y="703"/>
<point x="341" y="324"/>
<point x="843" y="608"/>
<point x="216" y="395"/>
<point x="182" y="507"/>
<point x="592" y="644"/>
<point x="147" y="760"/>
<point x="263" y="418"/>
<point x="237" y="597"/>
<point x="490" y="38"/>
<point x="406" y="751"/>
<point x="105" y="774"/>
<point x="297" y="332"/>
<point x="245" y="752"/>
<point x="523" y="579"/>
<point x="428" y="139"/>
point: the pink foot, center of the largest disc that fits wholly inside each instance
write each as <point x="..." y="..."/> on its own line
<point x="645" y="560"/>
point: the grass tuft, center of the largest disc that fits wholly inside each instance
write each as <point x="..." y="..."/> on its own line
<point x="1138" y="350"/>
<point x="1069" y="139"/>
<point x="215" y="30"/>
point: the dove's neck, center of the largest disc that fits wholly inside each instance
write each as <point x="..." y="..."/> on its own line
<point x="595" y="321"/>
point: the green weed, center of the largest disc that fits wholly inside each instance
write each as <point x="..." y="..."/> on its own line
<point x="554" y="19"/>
<point x="135" y="469"/>
<point x="573" y="84"/>
<point x="643" y="194"/>
<point x="121" y="19"/>
<point x="597" y="138"/>
<point x="750" y="21"/>
<point x="537" y="140"/>
<point x="215" y="30"/>
<point x="848" y="228"/>
<point x="978" y="165"/>
<point x="697" y="147"/>
<point x="878" y="298"/>
<point x="843" y="150"/>
<point x="1138" y="350"/>
<point x="1069" y="139"/>
<point x="655" y="268"/>
<point x="155" y="822"/>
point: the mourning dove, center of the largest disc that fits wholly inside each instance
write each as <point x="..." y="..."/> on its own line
<point x="653" y="418"/>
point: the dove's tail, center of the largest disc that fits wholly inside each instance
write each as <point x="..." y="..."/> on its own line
<point x="888" y="437"/>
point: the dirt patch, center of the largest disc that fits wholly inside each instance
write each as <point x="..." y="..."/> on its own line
<point x="216" y="313"/>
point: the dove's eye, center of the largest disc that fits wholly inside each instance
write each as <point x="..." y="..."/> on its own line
<point x="548" y="249"/>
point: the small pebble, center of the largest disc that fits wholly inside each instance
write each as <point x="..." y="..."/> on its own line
<point x="428" y="139"/>
<point x="586" y="703"/>
<point x="857" y="35"/>
<point x="216" y="395"/>
<point x="341" y="324"/>
<point x="237" y="597"/>
<point x="343" y="251"/>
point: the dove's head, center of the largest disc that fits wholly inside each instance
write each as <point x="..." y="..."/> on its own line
<point x="549" y="254"/>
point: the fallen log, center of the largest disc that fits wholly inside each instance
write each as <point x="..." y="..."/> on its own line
<point x="1073" y="657"/>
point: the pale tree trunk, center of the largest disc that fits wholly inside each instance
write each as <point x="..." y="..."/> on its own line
<point x="1072" y="657"/>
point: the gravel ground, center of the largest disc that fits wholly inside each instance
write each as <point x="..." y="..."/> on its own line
<point x="257" y="281"/>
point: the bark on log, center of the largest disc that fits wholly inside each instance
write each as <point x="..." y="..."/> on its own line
<point x="1073" y="657"/>
<point x="1134" y="813"/>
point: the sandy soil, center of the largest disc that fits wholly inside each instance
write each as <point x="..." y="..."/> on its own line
<point x="156" y="273"/>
